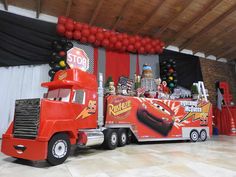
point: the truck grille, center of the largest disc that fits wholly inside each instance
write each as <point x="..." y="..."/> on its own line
<point x="26" y="120"/>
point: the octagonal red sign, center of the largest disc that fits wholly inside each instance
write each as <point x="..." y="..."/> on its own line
<point x="77" y="58"/>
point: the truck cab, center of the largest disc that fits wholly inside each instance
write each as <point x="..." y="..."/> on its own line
<point x="44" y="128"/>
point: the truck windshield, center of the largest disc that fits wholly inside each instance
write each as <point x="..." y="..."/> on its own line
<point x="59" y="95"/>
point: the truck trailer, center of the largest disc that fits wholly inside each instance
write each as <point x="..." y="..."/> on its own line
<point x="75" y="111"/>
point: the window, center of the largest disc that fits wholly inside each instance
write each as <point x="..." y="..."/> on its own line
<point x="79" y="97"/>
<point x="59" y="95"/>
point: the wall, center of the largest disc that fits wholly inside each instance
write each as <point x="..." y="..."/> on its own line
<point x="213" y="71"/>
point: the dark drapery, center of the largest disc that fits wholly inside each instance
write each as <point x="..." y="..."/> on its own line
<point x="188" y="67"/>
<point x="24" y="41"/>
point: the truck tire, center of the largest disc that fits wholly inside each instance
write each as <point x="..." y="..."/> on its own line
<point x="194" y="135"/>
<point x="58" y="149"/>
<point x="122" y="137"/>
<point x="110" y="139"/>
<point x="203" y="135"/>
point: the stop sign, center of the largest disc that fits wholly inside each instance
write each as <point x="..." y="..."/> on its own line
<point x="77" y="58"/>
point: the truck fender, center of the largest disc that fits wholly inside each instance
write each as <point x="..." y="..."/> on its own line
<point x="51" y="127"/>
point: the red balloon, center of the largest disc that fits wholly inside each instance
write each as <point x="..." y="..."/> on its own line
<point x="118" y="45"/>
<point x="111" y="46"/>
<point x="113" y="39"/>
<point x="61" y="20"/>
<point x="107" y="34"/>
<point x="93" y="30"/>
<point x="62" y="53"/>
<point x="141" y="50"/>
<point x="148" y="47"/>
<point x="153" y="43"/>
<point x="61" y="29"/>
<point x="143" y="41"/>
<point x="125" y="42"/>
<point x="78" y="26"/>
<point x="69" y="26"/>
<point x="99" y="36"/>
<point x="105" y="42"/>
<point x="137" y="45"/>
<point x="77" y="35"/>
<point x="85" y="26"/>
<point x="85" y="32"/>
<point x="152" y="50"/>
<point x="84" y="40"/>
<point x="158" y="48"/>
<point x="91" y="38"/>
<point x="157" y="42"/>
<point x="130" y="48"/>
<point x="100" y="29"/>
<point x="137" y="38"/>
<point x="112" y="32"/>
<point x="161" y="50"/>
<point x="147" y="39"/>
<point x="132" y="40"/>
<point x="69" y="34"/>
<point x="162" y="44"/>
<point x="123" y="49"/>
<point x="119" y="37"/>
<point x="69" y="20"/>
<point x="125" y="35"/>
<point x="97" y="43"/>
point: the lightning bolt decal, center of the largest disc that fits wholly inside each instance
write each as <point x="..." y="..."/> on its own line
<point x="85" y="113"/>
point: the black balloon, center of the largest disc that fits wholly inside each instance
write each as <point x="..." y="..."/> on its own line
<point x="63" y="41"/>
<point x="51" y="72"/>
<point x="58" y="48"/>
<point x="168" y="65"/>
<point x="51" y="64"/>
<point x="54" y="44"/>
<point x="69" y="44"/>
<point x="58" y="58"/>
<point x="56" y="67"/>
<point x="54" y="55"/>
<point x="175" y="81"/>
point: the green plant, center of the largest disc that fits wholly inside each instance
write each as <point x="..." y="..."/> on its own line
<point x="194" y="89"/>
<point x="109" y="79"/>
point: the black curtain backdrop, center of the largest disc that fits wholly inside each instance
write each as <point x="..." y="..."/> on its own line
<point x="24" y="41"/>
<point x="188" y="67"/>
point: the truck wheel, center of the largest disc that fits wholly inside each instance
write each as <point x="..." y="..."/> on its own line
<point x="122" y="137"/>
<point x="58" y="149"/>
<point x="194" y="135"/>
<point x="110" y="139"/>
<point x="203" y="135"/>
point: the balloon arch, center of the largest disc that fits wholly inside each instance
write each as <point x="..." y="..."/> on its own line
<point x="108" y="39"/>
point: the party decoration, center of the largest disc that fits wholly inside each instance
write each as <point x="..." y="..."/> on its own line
<point x="168" y="73"/>
<point x="108" y="39"/>
<point x="58" y="56"/>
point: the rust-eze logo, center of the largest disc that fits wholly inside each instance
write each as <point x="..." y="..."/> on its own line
<point x="119" y="107"/>
<point x="62" y="75"/>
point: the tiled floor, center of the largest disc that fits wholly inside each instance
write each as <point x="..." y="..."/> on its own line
<point x="215" y="157"/>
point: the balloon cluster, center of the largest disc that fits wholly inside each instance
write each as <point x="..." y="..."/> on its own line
<point x="111" y="40"/>
<point x="168" y="73"/>
<point x="58" y="57"/>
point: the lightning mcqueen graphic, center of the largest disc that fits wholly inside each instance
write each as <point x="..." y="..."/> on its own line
<point x="160" y="121"/>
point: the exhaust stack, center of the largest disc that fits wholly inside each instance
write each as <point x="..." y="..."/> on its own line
<point x="100" y="101"/>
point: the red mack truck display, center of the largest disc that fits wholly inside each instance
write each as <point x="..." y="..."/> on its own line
<point x="75" y="111"/>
